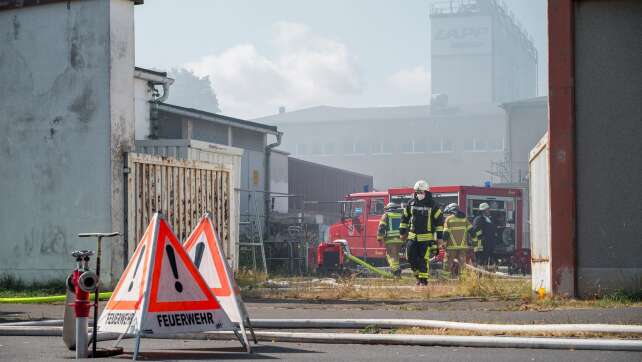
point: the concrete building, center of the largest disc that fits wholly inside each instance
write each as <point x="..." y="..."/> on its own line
<point x="66" y="118"/>
<point x="526" y="124"/>
<point x="480" y="53"/>
<point x="398" y="145"/>
<point x="594" y="146"/>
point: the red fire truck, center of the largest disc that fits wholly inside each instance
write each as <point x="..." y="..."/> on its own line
<point x="362" y="211"/>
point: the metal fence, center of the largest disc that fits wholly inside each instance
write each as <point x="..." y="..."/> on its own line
<point x="182" y="190"/>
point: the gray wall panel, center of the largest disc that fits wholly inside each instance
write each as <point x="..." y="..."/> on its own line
<point x="608" y="96"/>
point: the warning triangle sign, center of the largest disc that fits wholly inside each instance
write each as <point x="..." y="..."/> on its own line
<point x="161" y="291"/>
<point x="204" y="247"/>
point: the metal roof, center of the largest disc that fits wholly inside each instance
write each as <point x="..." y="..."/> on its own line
<point x="343" y="114"/>
<point x="217" y="118"/>
<point x="17" y="4"/>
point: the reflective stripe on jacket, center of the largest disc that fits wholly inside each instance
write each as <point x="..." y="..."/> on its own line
<point x="456" y="231"/>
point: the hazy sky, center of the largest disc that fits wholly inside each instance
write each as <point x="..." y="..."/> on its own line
<point x="261" y="54"/>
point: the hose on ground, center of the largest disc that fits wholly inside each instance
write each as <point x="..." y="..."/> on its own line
<point x="409" y="323"/>
<point x="386" y="339"/>
<point x="49" y="298"/>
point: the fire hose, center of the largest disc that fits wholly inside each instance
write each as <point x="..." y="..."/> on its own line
<point x="31" y="329"/>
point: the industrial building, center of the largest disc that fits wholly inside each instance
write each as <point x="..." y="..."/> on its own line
<point x="480" y="58"/>
<point x="458" y="144"/>
<point x="480" y="53"/>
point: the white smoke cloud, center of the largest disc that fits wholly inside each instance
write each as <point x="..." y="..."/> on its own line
<point x="307" y="70"/>
<point x="412" y="81"/>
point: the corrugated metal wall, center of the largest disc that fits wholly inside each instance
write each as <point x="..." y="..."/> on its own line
<point x="322" y="183"/>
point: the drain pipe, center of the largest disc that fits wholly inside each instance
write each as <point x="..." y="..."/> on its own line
<point x="266" y="182"/>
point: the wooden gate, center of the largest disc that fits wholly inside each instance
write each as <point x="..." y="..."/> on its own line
<point x="182" y="190"/>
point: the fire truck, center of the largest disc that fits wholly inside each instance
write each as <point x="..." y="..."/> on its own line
<point x="362" y="211"/>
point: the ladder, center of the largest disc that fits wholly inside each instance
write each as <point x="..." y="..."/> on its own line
<point x="254" y="226"/>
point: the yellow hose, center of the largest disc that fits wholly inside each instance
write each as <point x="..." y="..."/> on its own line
<point x="48" y="299"/>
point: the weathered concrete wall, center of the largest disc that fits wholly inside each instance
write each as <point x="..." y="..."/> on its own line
<point x="57" y="112"/>
<point x="121" y="87"/>
<point x="608" y="75"/>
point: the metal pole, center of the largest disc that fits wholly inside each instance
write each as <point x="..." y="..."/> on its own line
<point x="81" y="337"/>
<point x="96" y="293"/>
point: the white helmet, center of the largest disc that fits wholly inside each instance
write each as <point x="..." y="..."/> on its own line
<point x="422" y="185"/>
<point x="484" y="206"/>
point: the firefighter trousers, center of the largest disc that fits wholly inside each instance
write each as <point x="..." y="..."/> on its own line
<point x="459" y="254"/>
<point x="416" y="254"/>
<point x="392" y="255"/>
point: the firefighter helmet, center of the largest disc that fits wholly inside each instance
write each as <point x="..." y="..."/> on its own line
<point x="451" y="208"/>
<point x="484" y="206"/>
<point x="421" y="185"/>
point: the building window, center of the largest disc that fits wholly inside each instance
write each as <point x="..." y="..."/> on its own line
<point x="361" y="147"/>
<point x="420" y="146"/>
<point x="469" y="145"/>
<point x="329" y="148"/>
<point x="447" y="145"/>
<point x="375" y="147"/>
<point x="387" y="147"/>
<point x="480" y="145"/>
<point x="407" y="146"/>
<point x="496" y="144"/>
<point x="301" y="149"/>
<point x="316" y="149"/>
<point x="435" y="145"/>
<point x="348" y="147"/>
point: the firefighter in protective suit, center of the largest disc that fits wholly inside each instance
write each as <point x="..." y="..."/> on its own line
<point x="388" y="232"/>
<point x="457" y="237"/>
<point x="421" y="219"/>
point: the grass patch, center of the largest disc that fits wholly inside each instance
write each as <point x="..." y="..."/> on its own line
<point x="618" y="299"/>
<point x="457" y="332"/>
<point x="472" y="284"/>
<point x="10" y="287"/>
<point x="250" y="279"/>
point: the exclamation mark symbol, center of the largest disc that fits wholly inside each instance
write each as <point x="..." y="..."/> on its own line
<point x="172" y="264"/>
<point x="140" y="257"/>
<point x="200" y="247"/>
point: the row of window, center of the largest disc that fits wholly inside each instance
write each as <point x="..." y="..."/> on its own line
<point x="363" y="147"/>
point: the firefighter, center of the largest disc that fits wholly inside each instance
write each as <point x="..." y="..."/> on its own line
<point x="389" y="234"/>
<point x="457" y="237"/>
<point x="420" y="220"/>
<point x="485" y="231"/>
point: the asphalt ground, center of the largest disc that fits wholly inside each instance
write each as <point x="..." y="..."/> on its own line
<point x="469" y="310"/>
<point x="52" y="349"/>
<point x="457" y="309"/>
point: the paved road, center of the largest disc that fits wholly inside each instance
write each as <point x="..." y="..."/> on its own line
<point x="52" y="349"/>
<point x="469" y="310"/>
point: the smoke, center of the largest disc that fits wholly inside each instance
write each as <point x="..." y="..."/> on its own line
<point x="307" y="69"/>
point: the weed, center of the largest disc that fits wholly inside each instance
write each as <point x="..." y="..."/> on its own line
<point x="247" y="278"/>
<point x="10" y="286"/>
<point x="472" y="284"/>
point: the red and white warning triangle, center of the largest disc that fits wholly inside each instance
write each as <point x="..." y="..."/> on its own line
<point x="204" y="248"/>
<point x="161" y="291"/>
